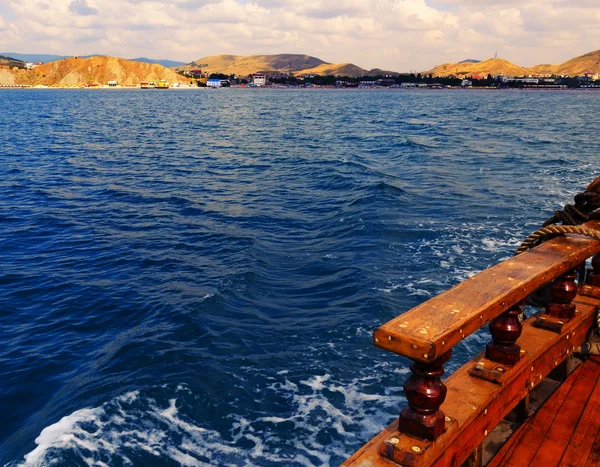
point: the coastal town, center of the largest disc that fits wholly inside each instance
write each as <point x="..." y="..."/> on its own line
<point x="100" y="72"/>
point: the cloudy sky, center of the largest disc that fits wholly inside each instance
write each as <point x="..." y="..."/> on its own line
<point x="400" y="35"/>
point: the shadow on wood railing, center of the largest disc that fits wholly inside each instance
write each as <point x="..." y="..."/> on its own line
<point x="444" y="422"/>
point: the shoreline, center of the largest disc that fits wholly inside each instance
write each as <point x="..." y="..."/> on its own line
<point x="284" y="88"/>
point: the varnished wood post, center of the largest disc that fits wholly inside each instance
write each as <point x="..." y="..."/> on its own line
<point x="425" y="392"/>
<point x="505" y="330"/>
<point x="564" y="290"/>
<point x="593" y="273"/>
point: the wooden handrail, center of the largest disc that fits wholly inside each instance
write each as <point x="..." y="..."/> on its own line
<point x="433" y="431"/>
<point x="434" y="327"/>
<point x="475" y="406"/>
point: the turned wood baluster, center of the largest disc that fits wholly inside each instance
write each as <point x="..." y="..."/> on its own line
<point x="564" y="290"/>
<point x="593" y="273"/>
<point x="505" y="330"/>
<point x="425" y="392"/>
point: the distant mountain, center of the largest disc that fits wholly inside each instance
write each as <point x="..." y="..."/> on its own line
<point x="282" y="63"/>
<point x="589" y="62"/>
<point x="97" y="70"/>
<point x="470" y="60"/>
<point x="245" y="65"/>
<point x="380" y="72"/>
<point x="11" y="62"/>
<point x="46" y="58"/>
<point x="32" y="58"/>
<point x="341" y="69"/>
<point x="493" y="66"/>
<point x="163" y="62"/>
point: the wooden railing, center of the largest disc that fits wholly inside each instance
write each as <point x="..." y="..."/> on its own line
<point x="444" y="422"/>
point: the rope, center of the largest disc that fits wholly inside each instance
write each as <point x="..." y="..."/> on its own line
<point x="586" y="207"/>
<point x="551" y="231"/>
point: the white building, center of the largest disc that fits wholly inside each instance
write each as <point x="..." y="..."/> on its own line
<point x="259" y="79"/>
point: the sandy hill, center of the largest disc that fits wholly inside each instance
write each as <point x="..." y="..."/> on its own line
<point x="579" y="65"/>
<point x="244" y="65"/>
<point x="241" y="65"/>
<point x="346" y="69"/>
<point x="93" y="70"/>
<point x="575" y="67"/>
<point x="493" y="66"/>
<point x="380" y="72"/>
<point x="543" y="69"/>
<point x="342" y="69"/>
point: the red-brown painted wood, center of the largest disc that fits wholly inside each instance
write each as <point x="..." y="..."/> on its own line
<point x="475" y="406"/>
<point x="505" y="330"/>
<point x="580" y="447"/>
<point x="425" y="393"/>
<point x="564" y="290"/>
<point x="564" y="431"/>
<point x="432" y="328"/>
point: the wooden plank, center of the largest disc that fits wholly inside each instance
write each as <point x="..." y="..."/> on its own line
<point x="544" y="352"/>
<point x="593" y="458"/>
<point x="589" y="424"/>
<point x="437" y="325"/>
<point x="568" y="417"/>
<point x="558" y="429"/>
<point x="478" y="405"/>
<point x="524" y="443"/>
<point x="543" y="440"/>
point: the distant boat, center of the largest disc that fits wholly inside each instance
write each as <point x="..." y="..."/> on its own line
<point x="162" y="84"/>
<point x="147" y="85"/>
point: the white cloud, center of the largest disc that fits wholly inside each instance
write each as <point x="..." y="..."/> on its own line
<point x="392" y="34"/>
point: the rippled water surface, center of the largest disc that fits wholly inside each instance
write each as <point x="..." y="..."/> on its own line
<point x="193" y="277"/>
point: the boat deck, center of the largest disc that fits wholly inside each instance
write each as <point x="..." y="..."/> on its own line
<point x="566" y="429"/>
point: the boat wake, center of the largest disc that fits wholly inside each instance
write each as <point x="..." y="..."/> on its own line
<point x="138" y="428"/>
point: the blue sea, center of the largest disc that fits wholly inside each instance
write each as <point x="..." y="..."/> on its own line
<point x="193" y="277"/>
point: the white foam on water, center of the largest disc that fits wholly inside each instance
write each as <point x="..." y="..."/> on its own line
<point x="61" y="434"/>
<point x="322" y="417"/>
<point x="107" y="430"/>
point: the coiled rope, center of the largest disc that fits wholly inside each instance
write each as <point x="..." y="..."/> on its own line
<point x="546" y="233"/>
<point x="586" y="207"/>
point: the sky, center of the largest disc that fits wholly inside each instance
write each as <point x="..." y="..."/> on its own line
<point x="398" y="35"/>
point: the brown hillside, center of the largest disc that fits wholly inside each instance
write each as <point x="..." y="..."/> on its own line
<point x="244" y="65"/>
<point x="380" y="72"/>
<point x="493" y="66"/>
<point x="543" y="69"/>
<point x="342" y="69"/>
<point x="575" y="67"/>
<point x="579" y="65"/>
<point x="241" y="65"/>
<point x="94" y="70"/>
